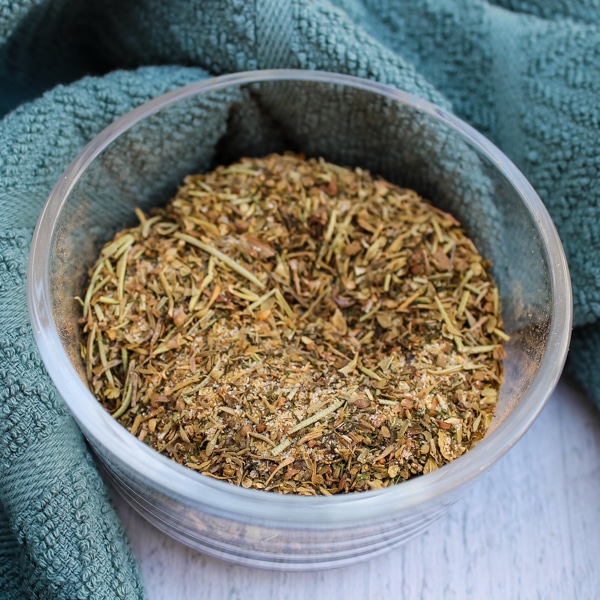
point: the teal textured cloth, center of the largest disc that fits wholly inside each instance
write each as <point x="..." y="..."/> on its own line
<point x="526" y="73"/>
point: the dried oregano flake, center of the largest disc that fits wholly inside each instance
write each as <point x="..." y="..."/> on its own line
<point x="298" y="327"/>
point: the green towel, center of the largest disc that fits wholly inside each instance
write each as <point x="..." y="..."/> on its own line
<point x="526" y="73"/>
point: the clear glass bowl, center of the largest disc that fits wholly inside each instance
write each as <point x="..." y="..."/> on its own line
<point x="139" y="161"/>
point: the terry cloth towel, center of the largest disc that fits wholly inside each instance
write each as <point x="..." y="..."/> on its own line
<point x="526" y="73"/>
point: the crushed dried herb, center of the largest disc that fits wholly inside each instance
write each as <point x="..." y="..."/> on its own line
<point x="295" y="326"/>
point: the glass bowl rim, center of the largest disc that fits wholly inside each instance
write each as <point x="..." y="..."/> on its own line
<point x="294" y="511"/>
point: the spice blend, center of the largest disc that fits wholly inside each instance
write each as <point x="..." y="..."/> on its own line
<point x="294" y="326"/>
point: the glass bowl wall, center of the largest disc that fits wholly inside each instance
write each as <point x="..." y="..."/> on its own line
<point x="141" y="159"/>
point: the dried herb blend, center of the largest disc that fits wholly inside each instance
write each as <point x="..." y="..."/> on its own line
<point x="295" y="326"/>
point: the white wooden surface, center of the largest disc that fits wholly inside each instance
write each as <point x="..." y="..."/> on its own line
<point x="530" y="528"/>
